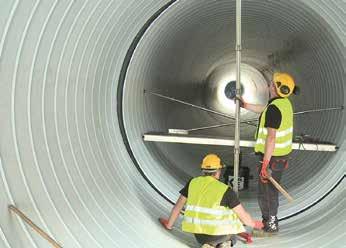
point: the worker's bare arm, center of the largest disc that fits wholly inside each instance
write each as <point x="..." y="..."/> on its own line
<point x="257" y="108"/>
<point x="246" y="218"/>
<point x="270" y="144"/>
<point x="176" y="211"/>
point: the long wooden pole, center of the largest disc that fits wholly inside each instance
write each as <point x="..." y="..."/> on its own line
<point x="281" y="189"/>
<point x="34" y="226"/>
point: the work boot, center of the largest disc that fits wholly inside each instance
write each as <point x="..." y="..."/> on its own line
<point x="207" y="246"/>
<point x="264" y="220"/>
<point x="227" y="244"/>
<point x="272" y="226"/>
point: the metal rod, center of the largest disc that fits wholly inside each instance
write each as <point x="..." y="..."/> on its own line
<point x="237" y="108"/>
<point x="249" y="121"/>
<point x="209" y="127"/>
<point x="34" y="226"/>
<point x="196" y="106"/>
<point x="218" y="125"/>
<point x="189" y="104"/>
<point x="318" y="110"/>
<point x="306" y="112"/>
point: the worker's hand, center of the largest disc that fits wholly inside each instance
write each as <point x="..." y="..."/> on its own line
<point x="258" y="224"/>
<point x="242" y="103"/>
<point x="264" y="171"/>
<point x="164" y="223"/>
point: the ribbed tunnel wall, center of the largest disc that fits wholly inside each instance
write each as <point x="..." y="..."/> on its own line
<point x="73" y="114"/>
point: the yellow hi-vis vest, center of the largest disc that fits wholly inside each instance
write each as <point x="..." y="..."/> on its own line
<point x="284" y="135"/>
<point x="203" y="213"/>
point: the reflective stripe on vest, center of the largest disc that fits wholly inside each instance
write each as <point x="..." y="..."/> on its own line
<point x="278" y="133"/>
<point x="208" y="210"/>
<point x="284" y="134"/>
<point x="203" y="212"/>
<point x="278" y="145"/>
<point x="208" y="222"/>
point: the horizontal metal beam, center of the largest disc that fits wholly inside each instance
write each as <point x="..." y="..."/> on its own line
<point x="205" y="140"/>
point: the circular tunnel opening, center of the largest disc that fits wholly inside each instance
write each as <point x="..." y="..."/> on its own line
<point x="220" y="85"/>
<point x="230" y="90"/>
<point x="185" y="50"/>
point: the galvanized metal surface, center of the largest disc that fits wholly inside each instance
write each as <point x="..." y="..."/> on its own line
<point x="63" y="159"/>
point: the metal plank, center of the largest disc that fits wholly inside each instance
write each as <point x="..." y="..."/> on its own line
<point x="205" y="140"/>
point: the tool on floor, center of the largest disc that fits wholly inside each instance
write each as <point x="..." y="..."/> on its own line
<point x="36" y="228"/>
<point x="261" y="233"/>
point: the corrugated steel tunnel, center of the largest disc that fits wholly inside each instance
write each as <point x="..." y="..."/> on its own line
<point x="73" y="112"/>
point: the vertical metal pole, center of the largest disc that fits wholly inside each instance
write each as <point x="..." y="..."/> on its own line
<point x="237" y="110"/>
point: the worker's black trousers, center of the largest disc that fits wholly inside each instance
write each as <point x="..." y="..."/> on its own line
<point x="215" y="240"/>
<point x="268" y="195"/>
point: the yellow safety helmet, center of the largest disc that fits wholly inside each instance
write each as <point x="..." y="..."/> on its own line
<point x="211" y="162"/>
<point x="284" y="84"/>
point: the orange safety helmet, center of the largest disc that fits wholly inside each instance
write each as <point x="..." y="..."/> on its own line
<point x="211" y="162"/>
<point x="284" y="84"/>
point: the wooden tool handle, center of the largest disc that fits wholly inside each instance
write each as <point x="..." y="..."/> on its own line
<point x="34" y="226"/>
<point x="278" y="186"/>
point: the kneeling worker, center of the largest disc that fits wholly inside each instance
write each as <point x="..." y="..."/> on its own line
<point x="213" y="212"/>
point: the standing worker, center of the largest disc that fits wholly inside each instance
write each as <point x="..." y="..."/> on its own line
<point x="213" y="212"/>
<point x="273" y="144"/>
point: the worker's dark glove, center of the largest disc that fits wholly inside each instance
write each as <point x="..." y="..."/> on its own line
<point x="164" y="223"/>
<point x="258" y="224"/>
<point x="242" y="103"/>
<point x="264" y="171"/>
